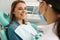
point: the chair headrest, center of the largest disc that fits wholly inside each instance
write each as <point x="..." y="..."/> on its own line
<point x="4" y="19"/>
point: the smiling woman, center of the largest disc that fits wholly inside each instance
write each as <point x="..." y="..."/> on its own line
<point x="18" y="12"/>
<point x="18" y="17"/>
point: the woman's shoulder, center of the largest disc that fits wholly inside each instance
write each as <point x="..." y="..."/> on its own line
<point x="12" y="26"/>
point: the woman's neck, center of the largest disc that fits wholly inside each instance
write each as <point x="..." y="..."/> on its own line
<point x="20" y="21"/>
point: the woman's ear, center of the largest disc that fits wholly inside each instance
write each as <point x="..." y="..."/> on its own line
<point x="43" y="7"/>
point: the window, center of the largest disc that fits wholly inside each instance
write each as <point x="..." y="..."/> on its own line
<point x="32" y="9"/>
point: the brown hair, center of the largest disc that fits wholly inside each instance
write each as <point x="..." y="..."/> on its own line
<point x="56" y="7"/>
<point x="12" y="17"/>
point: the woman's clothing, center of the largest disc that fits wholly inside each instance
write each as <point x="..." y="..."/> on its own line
<point x="48" y="31"/>
<point x="11" y="31"/>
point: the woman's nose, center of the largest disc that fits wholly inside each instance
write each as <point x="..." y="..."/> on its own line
<point x="23" y="11"/>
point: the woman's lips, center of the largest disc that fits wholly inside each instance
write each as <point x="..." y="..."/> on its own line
<point x="22" y="14"/>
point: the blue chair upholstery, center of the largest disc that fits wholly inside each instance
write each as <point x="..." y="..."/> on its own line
<point x="4" y="19"/>
<point x="4" y="22"/>
<point x="3" y="33"/>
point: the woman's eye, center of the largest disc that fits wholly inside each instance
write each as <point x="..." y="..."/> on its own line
<point x="20" y="9"/>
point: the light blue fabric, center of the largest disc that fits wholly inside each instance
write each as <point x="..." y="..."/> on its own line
<point x="37" y="36"/>
<point x="42" y="19"/>
<point x="34" y="26"/>
<point x="12" y="35"/>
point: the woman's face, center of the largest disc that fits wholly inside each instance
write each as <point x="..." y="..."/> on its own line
<point x="20" y="11"/>
<point x="47" y="12"/>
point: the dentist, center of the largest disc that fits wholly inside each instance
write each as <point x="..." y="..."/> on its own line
<point x="49" y="12"/>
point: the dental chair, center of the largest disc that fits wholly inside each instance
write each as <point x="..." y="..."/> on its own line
<point x="4" y="22"/>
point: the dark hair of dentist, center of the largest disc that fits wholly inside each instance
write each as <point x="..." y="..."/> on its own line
<point x="18" y="16"/>
<point x="51" y="10"/>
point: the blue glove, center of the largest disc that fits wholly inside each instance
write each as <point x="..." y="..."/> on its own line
<point x="37" y="36"/>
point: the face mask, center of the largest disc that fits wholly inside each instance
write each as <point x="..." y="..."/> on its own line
<point x="42" y="19"/>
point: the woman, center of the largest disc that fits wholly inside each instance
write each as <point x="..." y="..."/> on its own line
<point x="50" y="12"/>
<point x="18" y="17"/>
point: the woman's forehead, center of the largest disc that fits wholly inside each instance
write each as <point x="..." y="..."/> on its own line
<point x="21" y="5"/>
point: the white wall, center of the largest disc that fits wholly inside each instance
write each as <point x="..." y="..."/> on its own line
<point x="5" y="5"/>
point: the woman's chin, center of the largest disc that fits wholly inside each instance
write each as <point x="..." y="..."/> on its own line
<point x="23" y="18"/>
